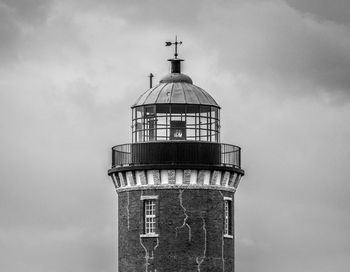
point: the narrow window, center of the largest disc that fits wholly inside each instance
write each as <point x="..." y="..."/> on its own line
<point x="139" y="132"/>
<point x="228" y="216"/>
<point x="150" y="216"/>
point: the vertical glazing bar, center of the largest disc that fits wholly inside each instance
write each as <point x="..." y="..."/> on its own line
<point x="209" y="125"/>
<point x="199" y="124"/>
<point x="143" y="124"/>
<point x="155" y="129"/>
<point x="195" y="126"/>
<point x="129" y="154"/>
<point x="239" y="157"/>
<point x="132" y="124"/>
<point x="218" y="126"/>
<point x="113" y="156"/>
<point x="206" y="127"/>
<point x="208" y="121"/>
<point x="186" y="123"/>
<point x="166" y="125"/>
<point x="170" y="119"/>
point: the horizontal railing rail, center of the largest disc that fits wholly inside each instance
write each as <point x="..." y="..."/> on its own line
<point x="176" y="152"/>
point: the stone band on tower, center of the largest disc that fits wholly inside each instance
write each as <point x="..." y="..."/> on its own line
<point x="176" y="182"/>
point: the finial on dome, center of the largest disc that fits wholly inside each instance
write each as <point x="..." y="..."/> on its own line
<point x="175" y="62"/>
<point x="150" y="80"/>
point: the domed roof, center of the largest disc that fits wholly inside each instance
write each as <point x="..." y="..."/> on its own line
<point x="175" y="89"/>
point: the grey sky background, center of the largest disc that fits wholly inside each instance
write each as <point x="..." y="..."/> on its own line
<point x="70" y="70"/>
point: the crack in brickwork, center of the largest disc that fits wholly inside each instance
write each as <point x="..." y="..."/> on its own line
<point x="185" y="219"/>
<point x="200" y="260"/>
<point x="157" y="245"/>
<point x="146" y="255"/>
<point x="154" y="249"/>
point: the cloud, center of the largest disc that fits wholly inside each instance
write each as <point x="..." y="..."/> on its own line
<point x="28" y="11"/>
<point x="270" y="42"/>
<point x="267" y="41"/>
<point x="16" y="17"/>
<point x="337" y="11"/>
<point x="300" y="50"/>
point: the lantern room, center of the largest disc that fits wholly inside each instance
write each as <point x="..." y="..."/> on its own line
<point x="175" y="110"/>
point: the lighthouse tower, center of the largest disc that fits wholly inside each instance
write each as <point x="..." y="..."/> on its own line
<point x="176" y="182"/>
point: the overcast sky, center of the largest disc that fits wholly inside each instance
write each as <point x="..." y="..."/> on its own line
<point x="70" y="70"/>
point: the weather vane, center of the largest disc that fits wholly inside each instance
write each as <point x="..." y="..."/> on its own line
<point x="174" y="43"/>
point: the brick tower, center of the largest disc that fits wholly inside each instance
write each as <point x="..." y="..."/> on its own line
<point x="176" y="182"/>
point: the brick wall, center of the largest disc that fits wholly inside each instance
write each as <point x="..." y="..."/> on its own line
<point x="190" y="227"/>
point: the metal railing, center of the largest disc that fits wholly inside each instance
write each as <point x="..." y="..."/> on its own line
<point x="176" y="152"/>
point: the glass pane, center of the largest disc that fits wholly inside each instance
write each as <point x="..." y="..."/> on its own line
<point x="151" y="129"/>
<point x="205" y="109"/>
<point x="191" y="133"/>
<point x="213" y="125"/>
<point x="178" y="130"/>
<point x="204" y="123"/>
<point x="178" y="109"/>
<point x="176" y="117"/>
<point x="192" y="109"/>
<point x="163" y="108"/>
<point x="161" y="120"/>
<point x="139" y="132"/>
<point x="150" y="110"/>
<point x="214" y="112"/>
<point x="139" y="112"/>
<point x="161" y="133"/>
<point x="190" y="121"/>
